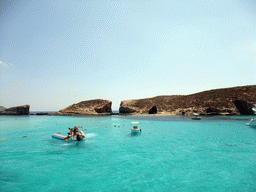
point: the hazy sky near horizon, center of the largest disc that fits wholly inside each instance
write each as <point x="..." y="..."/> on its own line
<point x="57" y="53"/>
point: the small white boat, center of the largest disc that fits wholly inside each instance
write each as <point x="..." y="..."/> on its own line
<point x="252" y="122"/>
<point x="135" y="127"/>
<point x="196" y="117"/>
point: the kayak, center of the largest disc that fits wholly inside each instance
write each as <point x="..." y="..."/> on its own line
<point x="60" y="136"/>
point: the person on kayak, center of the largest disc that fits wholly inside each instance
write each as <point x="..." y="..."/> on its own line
<point x="71" y="131"/>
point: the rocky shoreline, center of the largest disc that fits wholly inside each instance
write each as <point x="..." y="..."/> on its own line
<point x="90" y="107"/>
<point x="228" y="101"/>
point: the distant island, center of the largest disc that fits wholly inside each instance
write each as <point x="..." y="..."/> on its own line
<point x="2" y="108"/>
<point x="227" y="101"/>
<point x="19" y="110"/>
<point x="90" y="107"/>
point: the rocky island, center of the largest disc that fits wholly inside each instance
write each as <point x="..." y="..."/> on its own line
<point x="227" y="101"/>
<point x="2" y="108"/>
<point x="19" y="110"/>
<point x="90" y="107"/>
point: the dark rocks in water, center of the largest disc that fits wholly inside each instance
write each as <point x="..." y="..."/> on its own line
<point x="41" y="113"/>
<point x="90" y="107"/>
<point x="153" y="110"/>
<point x="244" y="107"/>
<point x="115" y="114"/>
<point x="19" y="110"/>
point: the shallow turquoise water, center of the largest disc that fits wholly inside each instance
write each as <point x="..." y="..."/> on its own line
<point x="171" y="154"/>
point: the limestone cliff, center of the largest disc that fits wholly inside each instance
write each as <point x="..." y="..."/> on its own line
<point x="91" y="107"/>
<point x="19" y="110"/>
<point x="228" y="101"/>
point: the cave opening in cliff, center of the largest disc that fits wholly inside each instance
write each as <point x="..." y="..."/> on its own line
<point x="244" y="107"/>
<point x="209" y="110"/>
<point x="153" y="110"/>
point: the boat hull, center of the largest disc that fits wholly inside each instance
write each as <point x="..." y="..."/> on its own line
<point x="252" y="123"/>
<point x="135" y="130"/>
<point x="78" y="137"/>
<point x="82" y="137"/>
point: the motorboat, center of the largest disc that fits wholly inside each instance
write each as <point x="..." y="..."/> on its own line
<point x="196" y="117"/>
<point x="75" y="134"/>
<point x="135" y="127"/>
<point x="252" y="122"/>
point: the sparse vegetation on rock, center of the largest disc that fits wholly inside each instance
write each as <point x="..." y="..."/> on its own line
<point x="90" y="107"/>
<point x="227" y="101"/>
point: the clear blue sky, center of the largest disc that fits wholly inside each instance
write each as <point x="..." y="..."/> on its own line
<point x="57" y="53"/>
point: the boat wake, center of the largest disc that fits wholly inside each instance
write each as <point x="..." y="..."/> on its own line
<point x="90" y="135"/>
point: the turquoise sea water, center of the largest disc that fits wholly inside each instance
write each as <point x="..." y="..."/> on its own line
<point x="171" y="154"/>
